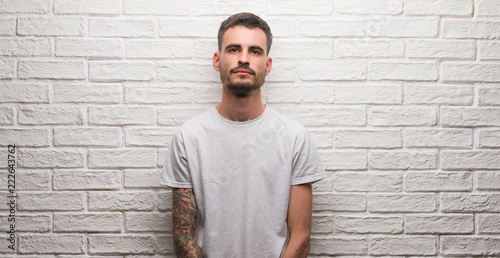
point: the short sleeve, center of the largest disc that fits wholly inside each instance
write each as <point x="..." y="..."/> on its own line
<point x="307" y="166"/>
<point x="175" y="171"/>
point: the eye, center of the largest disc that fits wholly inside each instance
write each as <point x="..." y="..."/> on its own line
<point x="256" y="52"/>
<point x="233" y="50"/>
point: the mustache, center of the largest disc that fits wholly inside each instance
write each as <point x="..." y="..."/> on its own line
<point x="245" y="67"/>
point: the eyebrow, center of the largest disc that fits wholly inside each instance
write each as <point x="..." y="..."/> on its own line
<point x="239" y="46"/>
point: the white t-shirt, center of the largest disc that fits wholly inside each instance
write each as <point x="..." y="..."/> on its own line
<point x="241" y="173"/>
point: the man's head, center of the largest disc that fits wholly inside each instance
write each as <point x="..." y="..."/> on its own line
<point x="247" y="20"/>
<point x="242" y="59"/>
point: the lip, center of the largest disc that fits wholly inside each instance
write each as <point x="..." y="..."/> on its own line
<point x="243" y="72"/>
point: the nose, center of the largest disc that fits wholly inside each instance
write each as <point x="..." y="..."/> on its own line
<point x="243" y="58"/>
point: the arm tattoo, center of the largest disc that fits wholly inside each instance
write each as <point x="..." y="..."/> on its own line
<point x="184" y="222"/>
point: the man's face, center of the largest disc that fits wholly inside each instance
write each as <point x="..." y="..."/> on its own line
<point x="243" y="63"/>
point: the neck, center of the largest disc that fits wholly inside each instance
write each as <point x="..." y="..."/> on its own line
<point x="240" y="109"/>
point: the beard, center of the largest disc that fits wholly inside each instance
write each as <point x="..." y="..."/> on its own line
<point x="242" y="86"/>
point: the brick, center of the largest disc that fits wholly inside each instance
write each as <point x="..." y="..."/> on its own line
<point x="86" y="180"/>
<point x="121" y="201"/>
<point x="394" y="160"/>
<point x="51" y="26"/>
<point x="159" y="49"/>
<point x="488" y="180"/>
<point x="122" y="158"/>
<point x="470" y="29"/>
<point x="470" y="72"/>
<point x="285" y="72"/>
<point x="456" y="202"/>
<point x="178" y="115"/>
<point x="470" y="160"/>
<point x="404" y="27"/>
<point x="368" y="224"/>
<point x="439" y="224"/>
<point x="37" y="223"/>
<point x="189" y="28"/>
<point x="50" y="115"/>
<point x="93" y="48"/>
<point x="142" y="178"/>
<point x="369" y="94"/>
<point x="185" y="72"/>
<point x="170" y="8"/>
<point x="368" y="139"/>
<point x="343" y="246"/>
<point x="164" y="199"/>
<point x="489" y="96"/>
<point x="397" y="245"/>
<point x="7" y="69"/>
<point x="106" y="137"/>
<point x="210" y="94"/>
<point x="344" y="160"/>
<point x="439" y="94"/>
<point x="339" y="202"/>
<point x="369" y="48"/>
<point x="165" y="244"/>
<point x="127" y="28"/>
<point x="298" y="7"/>
<point x="333" y="28"/>
<point x="51" y="201"/>
<point x="489" y="50"/>
<point x="489" y="223"/>
<point x="438" y="181"/>
<point x="25" y="6"/>
<point x="439" y="7"/>
<point x="402" y="116"/>
<point x="24" y="92"/>
<point x="7" y="27"/>
<point x="147" y="136"/>
<point x="449" y="49"/>
<point x="25" y="46"/>
<point x="298" y="49"/>
<point x="50" y="244"/>
<point x="54" y="70"/>
<point x="88" y="222"/>
<point x="412" y="203"/>
<point x="470" y="117"/>
<point x="51" y="158"/>
<point x="487" y="8"/>
<point x="322" y="138"/>
<point x="206" y="48"/>
<point x="489" y="138"/>
<point x="306" y="94"/>
<point x="157" y="93"/>
<point x="340" y="115"/>
<point x="322" y="224"/>
<point x="6" y="115"/>
<point x="29" y="180"/>
<point x="224" y="8"/>
<point x="25" y="137"/>
<point x="368" y="182"/>
<point x="331" y="71"/>
<point x="109" y="71"/>
<point x="438" y="138"/>
<point x="369" y="7"/>
<point x="121" y="244"/>
<point x="470" y="245"/>
<point x="121" y="115"/>
<point x="148" y="222"/>
<point x="88" y="7"/>
<point x="88" y="93"/>
<point x="427" y="71"/>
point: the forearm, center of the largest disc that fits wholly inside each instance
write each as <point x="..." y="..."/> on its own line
<point x="184" y="214"/>
<point x="298" y="247"/>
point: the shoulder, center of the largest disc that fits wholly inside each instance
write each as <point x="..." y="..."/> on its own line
<point x="283" y="122"/>
<point x="194" y="124"/>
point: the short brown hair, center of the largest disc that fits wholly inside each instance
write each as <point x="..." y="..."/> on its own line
<point x="248" y="20"/>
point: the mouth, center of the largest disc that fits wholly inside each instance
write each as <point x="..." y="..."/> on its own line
<point x="242" y="71"/>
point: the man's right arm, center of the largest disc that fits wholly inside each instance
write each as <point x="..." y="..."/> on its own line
<point x="184" y="212"/>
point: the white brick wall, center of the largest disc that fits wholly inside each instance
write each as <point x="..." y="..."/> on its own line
<point x="401" y="96"/>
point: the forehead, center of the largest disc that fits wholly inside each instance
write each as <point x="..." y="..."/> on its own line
<point x="242" y="35"/>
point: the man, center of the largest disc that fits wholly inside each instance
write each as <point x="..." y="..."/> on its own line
<point x="241" y="172"/>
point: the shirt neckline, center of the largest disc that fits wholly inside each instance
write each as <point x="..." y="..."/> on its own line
<point x="266" y="110"/>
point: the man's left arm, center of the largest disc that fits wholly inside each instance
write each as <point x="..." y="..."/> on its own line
<point x="299" y="221"/>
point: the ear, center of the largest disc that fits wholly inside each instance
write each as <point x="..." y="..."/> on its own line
<point x="216" y="61"/>
<point x="269" y="64"/>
